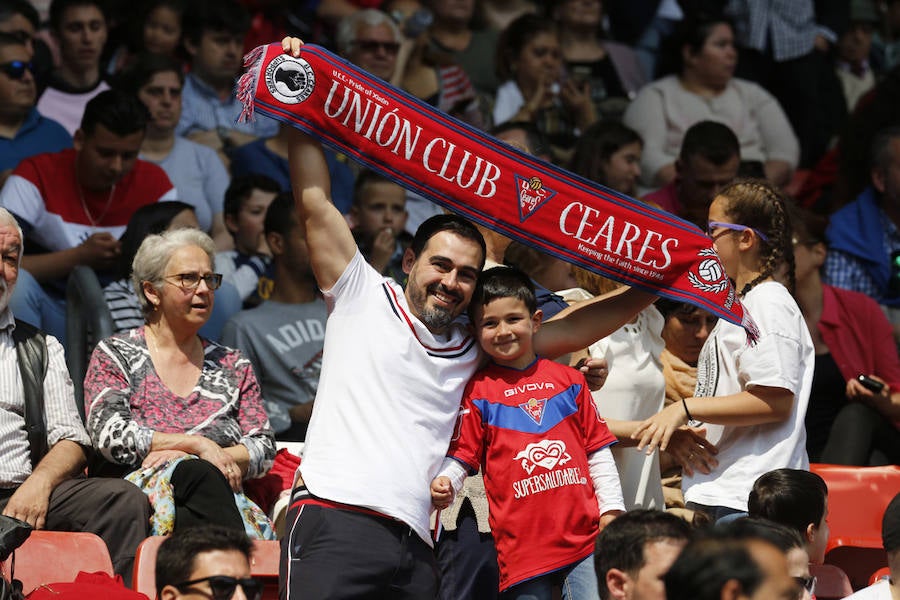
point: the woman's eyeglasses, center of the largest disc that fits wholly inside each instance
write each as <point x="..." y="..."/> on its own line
<point x="16" y="69"/>
<point x="223" y="586"/>
<point x="191" y="281"/>
<point x="711" y="226"/>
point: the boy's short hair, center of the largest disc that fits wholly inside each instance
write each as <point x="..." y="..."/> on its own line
<point x="201" y="16"/>
<point x="503" y="282"/>
<point x="281" y="215"/>
<point x="365" y="177"/>
<point x="791" y="497"/>
<point x="58" y="9"/>
<point x="242" y="187"/>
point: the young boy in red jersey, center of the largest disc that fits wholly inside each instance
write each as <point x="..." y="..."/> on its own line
<point x="531" y="425"/>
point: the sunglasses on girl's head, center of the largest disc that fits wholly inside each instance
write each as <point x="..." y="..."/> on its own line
<point x="16" y="69"/>
<point x="223" y="587"/>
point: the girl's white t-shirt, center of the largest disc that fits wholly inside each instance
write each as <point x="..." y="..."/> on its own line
<point x="783" y="357"/>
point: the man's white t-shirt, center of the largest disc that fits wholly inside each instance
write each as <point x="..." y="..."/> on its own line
<point x="783" y="357"/>
<point x="388" y="398"/>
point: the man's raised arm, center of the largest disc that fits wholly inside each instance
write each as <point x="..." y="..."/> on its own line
<point x="584" y="323"/>
<point x="331" y="244"/>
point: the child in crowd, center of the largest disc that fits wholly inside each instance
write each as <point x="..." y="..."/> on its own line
<point x="378" y="218"/>
<point x="531" y="426"/>
<point x="246" y="201"/>
<point x="752" y="395"/>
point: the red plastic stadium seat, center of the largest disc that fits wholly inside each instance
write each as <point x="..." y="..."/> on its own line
<point x="58" y="556"/>
<point x="881" y="573"/>
<point x="263" y="566"/>
<point x="857" y="498"/>
<point x="831" y="582"/>
<point x="144" y="578"/>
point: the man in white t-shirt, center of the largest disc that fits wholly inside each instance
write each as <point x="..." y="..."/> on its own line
<point x="887" y="589"/>
<point x="394" y="366"/>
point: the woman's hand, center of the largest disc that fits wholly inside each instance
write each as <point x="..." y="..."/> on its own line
<point x="690" y="448"/>
<point x="576" y="95"/>
<point x="856" y="391"/>
<point x="158" y="458"/>
<point x="216" y="455"/>
<point x="291" y="45"/>
<point x="656" y="431"/>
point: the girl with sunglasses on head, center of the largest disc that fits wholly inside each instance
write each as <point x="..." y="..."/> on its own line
<point x="751" y="395"/>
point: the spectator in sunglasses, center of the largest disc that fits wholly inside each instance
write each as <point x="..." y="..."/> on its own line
<point x="23" y="131"/>
<point x="210" y="561"/>
<point x="20" y="19"/>
<point x="371" y="40"/>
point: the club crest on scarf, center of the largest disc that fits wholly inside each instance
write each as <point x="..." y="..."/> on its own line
<point x="709" y="275"/>
<point x="532" y="194"/>
<point x="290" y="80"/>
<point x="534" y="408"/>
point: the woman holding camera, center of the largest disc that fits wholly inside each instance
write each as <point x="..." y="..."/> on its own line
<point x="848" y="421"/>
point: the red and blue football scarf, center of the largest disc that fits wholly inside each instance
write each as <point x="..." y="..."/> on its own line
<point x="487" y="181"/>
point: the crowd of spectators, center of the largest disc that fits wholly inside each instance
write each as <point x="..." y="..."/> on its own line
<point x="118" y="126"/>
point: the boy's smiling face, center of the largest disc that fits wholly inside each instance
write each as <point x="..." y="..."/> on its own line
<point x="505" y="331"/>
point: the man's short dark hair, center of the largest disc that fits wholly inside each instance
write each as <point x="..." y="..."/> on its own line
<point x="241" y="188"/>
<point x="881" y="146"/>
<point x="201" y="16"/>
<point x="176" y="556"/>
<point x="755" y="528"/>
<point x="711" y="140"/>
<point x="58" y="9"/>
<point x="11" y="8"/>
<point x="447" y="222"/>
<point x="119" y="112"/>
<point x="143" y="69"/>
<point x="792" y="497"/>
<point x="621" y="543"/>
<point x="281" y="215"/>
<point x="707" y="564"/>
<point x="503" y="282"/>
<point x="8" y="39"/>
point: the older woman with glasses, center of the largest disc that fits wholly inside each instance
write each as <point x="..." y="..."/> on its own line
<point x="181" y="415"/>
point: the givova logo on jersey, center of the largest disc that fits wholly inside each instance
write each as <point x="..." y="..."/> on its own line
<point x="548" y="455"/>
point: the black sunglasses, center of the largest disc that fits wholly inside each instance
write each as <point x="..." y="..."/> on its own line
<point x="807" y="583"/>
<point x="371" y="46"/>
<point x="16" y="69"/>
<point x="223" y="586"/>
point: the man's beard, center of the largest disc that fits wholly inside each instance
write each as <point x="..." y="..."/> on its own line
<point x="435" y="318"/>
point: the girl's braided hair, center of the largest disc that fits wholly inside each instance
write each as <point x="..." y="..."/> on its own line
<point x="757" y="204"/>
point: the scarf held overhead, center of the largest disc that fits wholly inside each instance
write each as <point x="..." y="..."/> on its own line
<point x="487" y="181"/>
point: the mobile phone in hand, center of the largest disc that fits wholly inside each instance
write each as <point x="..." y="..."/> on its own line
<point x="870" y="384"/>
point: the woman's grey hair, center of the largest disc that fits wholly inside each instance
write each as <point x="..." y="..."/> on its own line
<point x="346" y="29"/>
<point x="156" y="251"/>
